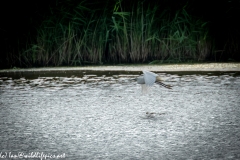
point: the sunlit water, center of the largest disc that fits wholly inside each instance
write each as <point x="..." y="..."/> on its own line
<point x="105" y="117"/>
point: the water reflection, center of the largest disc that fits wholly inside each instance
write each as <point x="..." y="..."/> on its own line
<point x="104" y="117"/>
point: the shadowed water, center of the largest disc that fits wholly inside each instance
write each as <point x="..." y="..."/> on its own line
<point x="104" y="117"/>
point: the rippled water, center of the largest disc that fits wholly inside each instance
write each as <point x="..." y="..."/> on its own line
<point x="104" y="117"/>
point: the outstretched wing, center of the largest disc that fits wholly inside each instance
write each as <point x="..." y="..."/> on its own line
<point x="149" y="78"/>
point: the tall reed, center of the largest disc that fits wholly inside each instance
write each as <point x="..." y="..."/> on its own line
<point x="116" y="33"/>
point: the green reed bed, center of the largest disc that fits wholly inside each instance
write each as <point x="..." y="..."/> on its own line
<point x="113" y="33"/>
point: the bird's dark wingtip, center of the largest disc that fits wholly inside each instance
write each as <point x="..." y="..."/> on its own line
<point x="164" y="85"/>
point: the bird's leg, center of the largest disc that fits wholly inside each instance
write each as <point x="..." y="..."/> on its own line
<point x="144" y="88"/>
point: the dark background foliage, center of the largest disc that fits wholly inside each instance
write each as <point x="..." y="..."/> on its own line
<point x="21" y="19"/>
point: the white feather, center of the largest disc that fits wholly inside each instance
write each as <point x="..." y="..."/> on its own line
<point x="149" y="78"/>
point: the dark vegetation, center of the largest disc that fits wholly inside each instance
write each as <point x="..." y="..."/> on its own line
<point x="67" y="32"/>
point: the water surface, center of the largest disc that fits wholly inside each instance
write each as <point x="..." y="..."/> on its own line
<point x="104" y="117"/>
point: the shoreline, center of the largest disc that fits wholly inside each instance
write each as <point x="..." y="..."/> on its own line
<point x="153" y="68"/>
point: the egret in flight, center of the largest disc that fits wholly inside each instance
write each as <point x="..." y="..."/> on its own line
<point x="149" y="78"/>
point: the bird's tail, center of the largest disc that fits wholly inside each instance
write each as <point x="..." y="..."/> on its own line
<point x="164" y="85"/>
